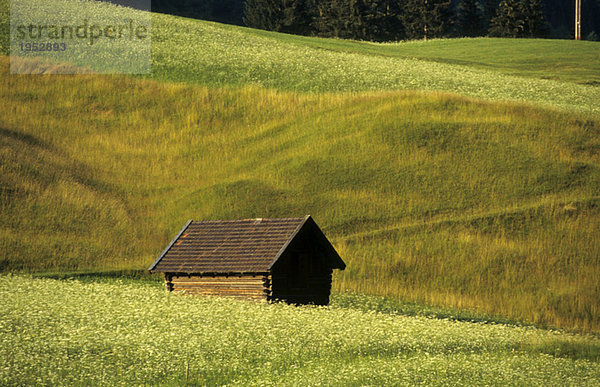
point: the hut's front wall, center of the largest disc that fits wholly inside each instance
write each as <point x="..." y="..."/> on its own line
<point x="302" y="274"/>
<point x="248" y="286"/>
<point x="313" y="288"/>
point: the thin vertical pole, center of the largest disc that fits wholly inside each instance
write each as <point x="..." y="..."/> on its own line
<point x="187" y="372"/>
<point x="577" y="19"/>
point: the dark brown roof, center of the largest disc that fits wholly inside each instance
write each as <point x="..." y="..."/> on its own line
<point x="233" y="246"/>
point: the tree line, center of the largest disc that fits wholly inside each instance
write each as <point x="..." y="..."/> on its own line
<point x="391" y="20"/>
<point x="222" y="11"/>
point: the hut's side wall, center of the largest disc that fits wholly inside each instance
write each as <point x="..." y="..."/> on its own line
<point x="256" y="287"/>
<point x="316" y="291"/>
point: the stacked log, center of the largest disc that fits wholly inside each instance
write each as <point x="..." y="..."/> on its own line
<point x="256" y="287"/>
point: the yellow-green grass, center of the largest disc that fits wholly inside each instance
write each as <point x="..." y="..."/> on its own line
<point x="212" y="54"/>
<point x="564" y="60"/>
<point x="123" y="333"/>
<point x="217" y="55"/>
<point x="428" y="197"/>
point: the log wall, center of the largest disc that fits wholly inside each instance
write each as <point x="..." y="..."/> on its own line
<point x="256" y="287"/>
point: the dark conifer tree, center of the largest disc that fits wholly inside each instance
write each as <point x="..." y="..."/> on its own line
<point x="489" y="12"/>
<point x="348" y="19"/>
<point x="297" y="16"/>
<point x="332" y="19"/>
<point x="508" y="22"/>
<point x="470" y="18"/>
<point x="384" y="21"/>
<point x="289" y="16"/>
<point x="264" y="14"/>
<point x="365" y="19"/>
<point x="224" y="11"/>
<point x="424" y="19"/>
<point x="532" y="12"/>
<point x="518" y="19"/>
<point x="227" y="11"/>
<point x="199" y="9"/>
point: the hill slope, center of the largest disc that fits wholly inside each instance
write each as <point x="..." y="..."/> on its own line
<point x="212" y="54"/>
<point x="429" y="197"/>
<point x="218" y="55"/>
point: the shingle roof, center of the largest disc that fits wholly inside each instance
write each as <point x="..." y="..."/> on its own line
<point x="229" y="246"/>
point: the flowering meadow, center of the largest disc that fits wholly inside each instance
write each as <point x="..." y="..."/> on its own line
<point x="462" y="201"/>
<point x="217" y="55"/>
<point x="186" y="50"/>
<point x="132" y="333"/>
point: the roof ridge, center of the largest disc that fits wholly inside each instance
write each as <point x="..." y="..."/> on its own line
<point x="250" y="219"/>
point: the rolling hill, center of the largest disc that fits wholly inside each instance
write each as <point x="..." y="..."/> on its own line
<point x="555" y="73"/>
<point x="430" y="194"/>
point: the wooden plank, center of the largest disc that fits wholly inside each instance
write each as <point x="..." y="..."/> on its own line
<point x="264" y="296"/>
<point x="205" y="291"/>
<point x="225" y="294"/>
<point x="220" y="287"/>
<point x="217" y="283"/>
<point x="210" y="282"/>
<point x="224" y="290"/>
<point x="222" y="284"/>
<point x="254" y="287"/>
<point x="201" y="286"/>
<point x="239" y="297"/>
<point x="221" y="279"/>
<point x="255" y="290"/>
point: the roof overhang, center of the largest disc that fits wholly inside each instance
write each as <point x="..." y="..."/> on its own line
<point x="151" y="268"/>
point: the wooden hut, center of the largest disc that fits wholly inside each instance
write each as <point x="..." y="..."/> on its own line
<point x="287" y="259"/>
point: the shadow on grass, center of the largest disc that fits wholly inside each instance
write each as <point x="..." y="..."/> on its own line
<point x="574" y="350"/>
<point x="394" y="306"/>
<point x="568" y="348"/>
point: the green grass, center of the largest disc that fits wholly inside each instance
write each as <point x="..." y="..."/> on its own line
<point x="563" y="60"/>
<point x="106" y="333"/>
<point x="217" y="55"/>
<point x="431" y="198"/>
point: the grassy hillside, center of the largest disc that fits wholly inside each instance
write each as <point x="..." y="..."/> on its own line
<point x="73" y="333"/>
<point x="429" y="197"/>
<point x="570" y="61"/>
<point x="217" y="55"/>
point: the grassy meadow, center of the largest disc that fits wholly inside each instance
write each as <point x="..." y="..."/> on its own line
<point x="217" y="56"/>
<point x="562" y="60"/>
<point x="429" y="197"/>
<point x="458" y="179"/>
<point x="554" y="73"/>
<point x="124" y="333"/>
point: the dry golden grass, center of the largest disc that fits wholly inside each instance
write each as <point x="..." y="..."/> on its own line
<point x="429" y="197"/>
<point x="40" y="66"/>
